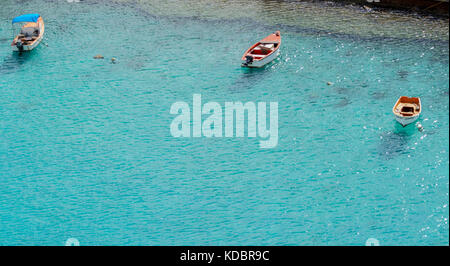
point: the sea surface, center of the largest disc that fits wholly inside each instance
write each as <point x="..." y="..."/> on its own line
<point x="86" y="150"/>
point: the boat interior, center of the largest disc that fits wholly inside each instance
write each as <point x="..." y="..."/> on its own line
<point x="263" y="49"/>
<point x="408" y="106"/>
<point x="29" y="33"/>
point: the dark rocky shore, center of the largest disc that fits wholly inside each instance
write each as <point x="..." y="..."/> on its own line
<point x="434" y="7"/>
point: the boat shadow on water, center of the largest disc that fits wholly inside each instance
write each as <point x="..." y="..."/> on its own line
<point x="395" y="142"/>
<point x="250" y="77"/>
<point x="14" y="62"/>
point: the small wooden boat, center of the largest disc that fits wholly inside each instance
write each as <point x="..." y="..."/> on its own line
<point x="407" y="110"/>
<point x="262" y="52"/>
<point x="31" y="33"/>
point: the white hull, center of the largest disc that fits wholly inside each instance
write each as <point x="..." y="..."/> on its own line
<point x="404" y="121"/>
<point x="262" y="62"/>
<point x="28" y="47"/>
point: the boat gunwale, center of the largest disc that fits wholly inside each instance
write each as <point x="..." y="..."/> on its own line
<point x="399" y="114"/>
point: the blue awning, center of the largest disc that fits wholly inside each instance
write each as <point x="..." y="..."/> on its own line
<point x="26" y="18"/>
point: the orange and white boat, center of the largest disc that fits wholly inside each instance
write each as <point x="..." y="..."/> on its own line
<point x="407" y="110"/>
<point x="262" y="52"/>
<point x="31" y="33"/>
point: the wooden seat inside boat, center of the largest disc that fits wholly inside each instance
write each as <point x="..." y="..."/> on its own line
<point x="267" y="46"/>
<point x="263" y="49"/>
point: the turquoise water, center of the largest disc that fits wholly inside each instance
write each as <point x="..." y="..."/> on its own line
<point x="86" y="150"/>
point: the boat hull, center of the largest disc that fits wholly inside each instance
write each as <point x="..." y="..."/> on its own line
<point x="262" y="62"/>
<point x="404" y="121"/>
<point x="28" y="47"/>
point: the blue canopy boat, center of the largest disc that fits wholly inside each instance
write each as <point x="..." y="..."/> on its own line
<point x="31" y="33"/>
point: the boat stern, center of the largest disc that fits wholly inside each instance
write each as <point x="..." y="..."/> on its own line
<point x="250" y="64"/>
<point x="404" y="121"/>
